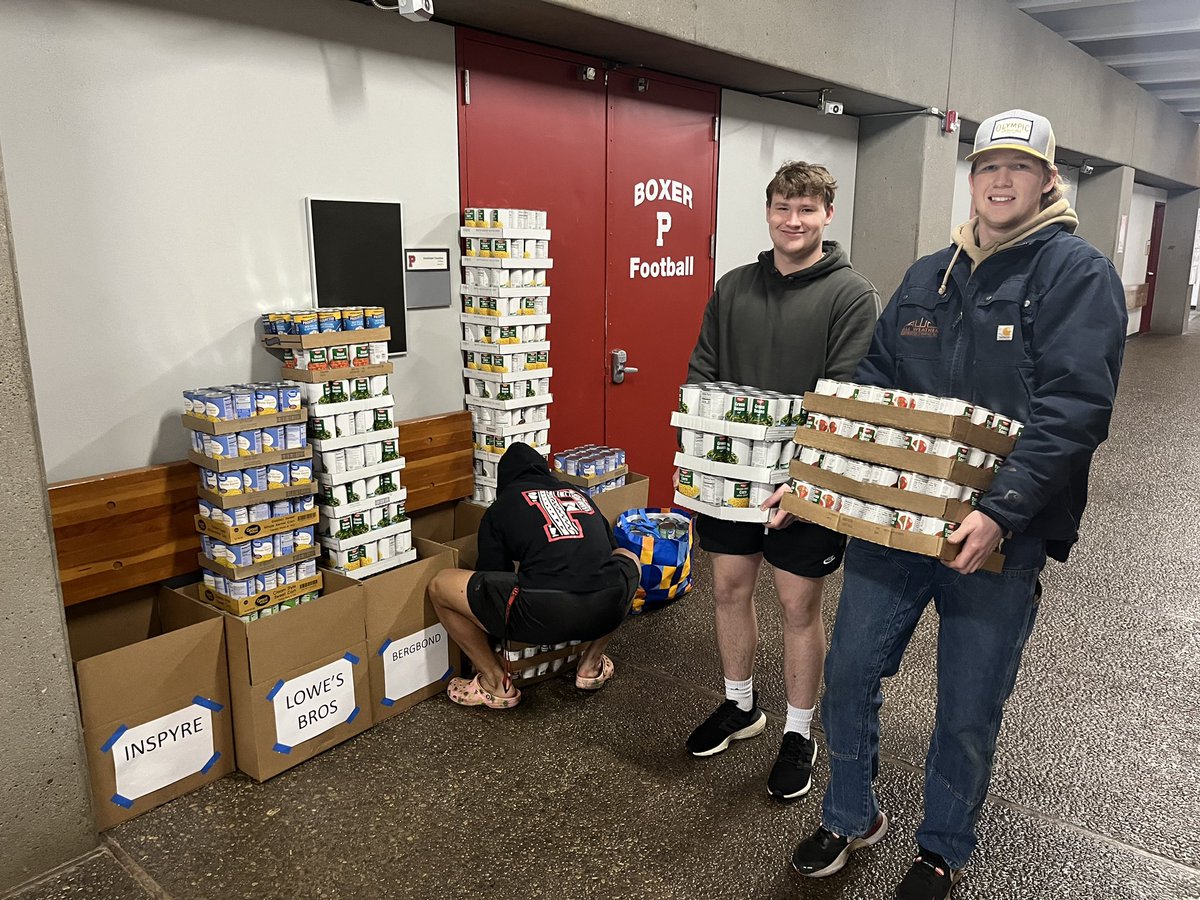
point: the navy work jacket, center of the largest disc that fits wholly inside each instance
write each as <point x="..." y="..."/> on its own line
<point x="1036" y="332"/>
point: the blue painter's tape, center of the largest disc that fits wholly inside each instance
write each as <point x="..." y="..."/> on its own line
<point x="387" y="643"/>
<point x="116" y="736"/>
<point x="353" y="715"/>
<point x="353" y="659"/>
<point x="122" y="801"/>
<point x="282" y="748"/>
<point x="208" y="704"/>
<point x="212" y="762"/>
<point x="447" y="673"/>
<point x="387" y="702"/>
<point x="275" y="690"/>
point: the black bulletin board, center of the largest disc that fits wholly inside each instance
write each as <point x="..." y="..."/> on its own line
<point x="356" y="250"/>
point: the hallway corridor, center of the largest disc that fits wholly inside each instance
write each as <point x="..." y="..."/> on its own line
<point x="1096" y="793"/>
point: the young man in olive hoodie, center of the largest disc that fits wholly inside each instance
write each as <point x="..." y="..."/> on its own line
<point x="799" y="313"/>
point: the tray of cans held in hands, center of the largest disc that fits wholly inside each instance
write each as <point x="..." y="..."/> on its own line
<point x="896" y="468"/>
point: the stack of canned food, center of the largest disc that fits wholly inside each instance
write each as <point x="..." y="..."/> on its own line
<point x="528" y="415"/>
<point x="340" y="356"/>
<point x="506" y="248"/>
<point x="502" y="278"/>
<point x="504" y="306"/>
<point x="514" y="656"/>
<point x="346" y="318"/>
<point x="503" y="334"/>
<point x="275" y="547"/>
<point x="241" y="401"/>
<point x="949" y="406"/>
<point x="592" y="461"/>
<point x="367" y="524"/>
<point x="739" y="403"/>
<point x="516" y="390"/>
<point x="507" y="360"/>
<point x="873" y="512"/>
<point x="487" y="217"/>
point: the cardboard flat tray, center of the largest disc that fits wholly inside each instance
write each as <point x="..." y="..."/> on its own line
<point x="490" y="262"/>
<point x="509" y="377"/>
<point x="238" y="533"/>
<point x="376" y="567"/>
<point x="321" y="410"/>
<point x="589" y="481"/>
<point x="495" y="455"/>
<point x="762" y="474"/>
<point x="334" y="512"/>
<point x="231" y="463"/>
<point x="317" y="377"/>
<point x="519" y="347"/>
<point x="249" y="498"/>
<point x="896" y="457"/>
<point x="515" y="403"/>
<point x="728" y="513"/>
<point x="521" y="234"/>
<point x="502" y="321"/>
<point x="393" y="465"/>
<point x="480" y="290"/>
<point x="922" y="504"/>
<point x="326" y="338"/>
<point x="924" y="544"/>
<point x="374" y="534"/>
<point x="956" y="428"/>
<point x="353" y="440"/>
<point x="269" y="565"/>
<point x="239" y="606"/>
<point x="733" y="429"/>
<point x="229" y="426"/>
<point x="508" y="430"/>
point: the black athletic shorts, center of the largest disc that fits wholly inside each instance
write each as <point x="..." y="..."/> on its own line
<point x="802" y="548"/>
<point x="546" y="616"/>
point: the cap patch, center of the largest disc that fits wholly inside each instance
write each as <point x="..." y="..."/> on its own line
<point x="1022" y="129"/>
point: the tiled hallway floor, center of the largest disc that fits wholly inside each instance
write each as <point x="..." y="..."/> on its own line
<point x="1096" y="794"/>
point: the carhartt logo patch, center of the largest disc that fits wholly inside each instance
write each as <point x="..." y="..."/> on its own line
<point x="1004" y="332"/>
<point x="921" y="328"/>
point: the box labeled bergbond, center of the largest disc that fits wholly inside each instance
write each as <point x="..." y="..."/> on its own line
<point x="411" y="655"/>
<point x="298" y="680"/>
<point x="154" y="700"/>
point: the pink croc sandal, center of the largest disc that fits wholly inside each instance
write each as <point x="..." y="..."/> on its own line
<point x="469" y="692"/>
<point x="594" y="684"/>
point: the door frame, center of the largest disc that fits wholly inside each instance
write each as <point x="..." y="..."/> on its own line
<point x="1150" y="278"/>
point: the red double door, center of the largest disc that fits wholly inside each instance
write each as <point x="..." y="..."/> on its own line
<point x="626" y="167"/>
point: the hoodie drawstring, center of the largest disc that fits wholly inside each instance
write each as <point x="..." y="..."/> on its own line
<point x="950" y="268"/>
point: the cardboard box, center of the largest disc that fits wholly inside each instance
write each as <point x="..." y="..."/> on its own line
<point x="925" y="544"/>
<point x="237" y="534"/>
<point x="267" y="565"/>
<point x="956" y="428"/>
<point x="411" y="655"/>
<point x="590" y="481"/>
<point x="240" y="606"/>
<point x="154" y="699"/>
<point x="727" y="513"/>
<point x="326" y="338"/>
<point x="761" y="474"/>
<point x="229" y="426"/>
<point x="298" y="680"/>
<point x="322" y="375"/>
<point x="448" y="521"/>
<point x="231" y="463"/>
<point x="634" y="494"/>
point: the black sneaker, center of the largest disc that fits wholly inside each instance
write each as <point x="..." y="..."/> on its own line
<point x="928" y="879"/>
<point x="728" y="723"/>
<point x="825" y="852"/>
<point x="791" y="776"/>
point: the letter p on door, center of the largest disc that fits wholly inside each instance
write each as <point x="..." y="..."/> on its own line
<point x="664" y="225"/>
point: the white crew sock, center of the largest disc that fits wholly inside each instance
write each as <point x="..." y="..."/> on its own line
<point x="799" y="720"/>
<point x="741" y="693"/>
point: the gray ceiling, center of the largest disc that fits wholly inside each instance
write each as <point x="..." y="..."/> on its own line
<point x="1155" y="43"/>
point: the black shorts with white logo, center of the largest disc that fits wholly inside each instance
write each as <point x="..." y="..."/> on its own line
<point x="802" y="548"/>
<point x="546" y="616"/>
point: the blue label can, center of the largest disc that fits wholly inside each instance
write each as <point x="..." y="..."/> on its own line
<point x="254" y="478"/>
<point x="279" y="475"/>
<point x="266" y="400"/>
<point x="281" y="508"/>
<point x="294" y="437"/>
<point x="260" y="512"/>
<point x="249" y="443"/>
<point x="272" y="439"/>
<point x="289" y="397"/>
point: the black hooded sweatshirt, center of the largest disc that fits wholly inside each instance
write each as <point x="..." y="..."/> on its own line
<point x="553" y="530"/>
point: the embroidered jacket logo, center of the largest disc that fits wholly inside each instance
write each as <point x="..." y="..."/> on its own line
<point x="921" y="328"/>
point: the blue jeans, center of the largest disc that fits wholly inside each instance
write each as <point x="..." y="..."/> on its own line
<point x="985" y="620"/>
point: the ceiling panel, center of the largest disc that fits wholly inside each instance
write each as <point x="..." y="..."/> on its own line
<point x="1154" y="43"/>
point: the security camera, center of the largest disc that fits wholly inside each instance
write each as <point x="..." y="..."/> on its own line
<point x="830" y="108"/>
<point x="416" y="10"/>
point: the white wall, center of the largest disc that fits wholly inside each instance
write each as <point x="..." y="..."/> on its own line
<point x="157" y="155"/>
<point x="757" y="135"/>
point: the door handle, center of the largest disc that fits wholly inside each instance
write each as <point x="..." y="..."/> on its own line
<point x="618" y="368"/>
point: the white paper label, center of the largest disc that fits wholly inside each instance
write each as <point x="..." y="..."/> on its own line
<point x="427" y="260"/>
<point x="415" y="661"/>
<point x="161" y="752"/>
<point x="311" y="704"/>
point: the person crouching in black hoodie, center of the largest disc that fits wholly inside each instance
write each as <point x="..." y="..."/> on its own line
<point x="549" y="571"/>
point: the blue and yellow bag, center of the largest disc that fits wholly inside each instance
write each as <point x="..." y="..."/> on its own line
<point x="662" y="541"/>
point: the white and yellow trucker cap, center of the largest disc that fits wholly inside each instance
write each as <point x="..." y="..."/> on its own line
<point x="1016" y="129"/>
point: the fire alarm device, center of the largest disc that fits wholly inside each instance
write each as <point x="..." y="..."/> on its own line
<point x="951" y="123"/>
